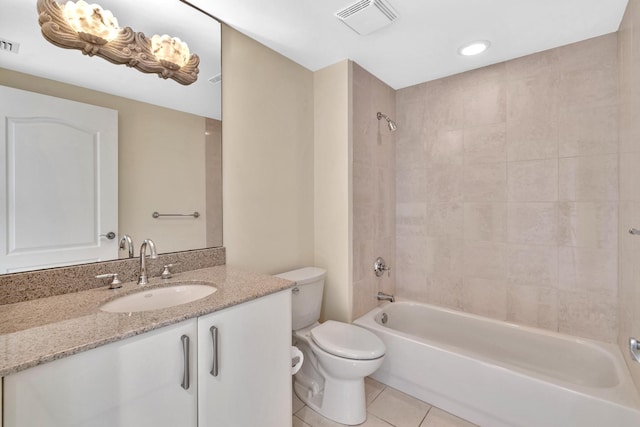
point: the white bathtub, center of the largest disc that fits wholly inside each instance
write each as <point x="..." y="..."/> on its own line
<point x="497" y="374"/>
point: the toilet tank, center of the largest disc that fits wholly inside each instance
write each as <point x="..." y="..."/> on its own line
<point x="306" y="298"/>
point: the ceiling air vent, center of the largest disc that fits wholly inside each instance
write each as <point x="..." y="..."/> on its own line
<point x="366" y="16"/>
<point x="9" y="46"/>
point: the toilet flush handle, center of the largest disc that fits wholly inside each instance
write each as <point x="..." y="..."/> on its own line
<point x="295" y="290"/>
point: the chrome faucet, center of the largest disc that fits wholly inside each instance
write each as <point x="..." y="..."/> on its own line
<point x="126" y="240"/>
<point x="385" y="297"/>
<point x="142" y="279"/>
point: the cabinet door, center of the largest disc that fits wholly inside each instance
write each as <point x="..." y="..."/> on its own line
<point x="134" y="382"/>
<point x="253" y="382"/>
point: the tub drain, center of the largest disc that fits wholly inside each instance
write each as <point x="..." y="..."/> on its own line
<point x="384" y="318"/>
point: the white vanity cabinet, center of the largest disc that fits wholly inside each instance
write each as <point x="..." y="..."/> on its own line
<point x="138" y="382"/>
<point x="252" y="384"/>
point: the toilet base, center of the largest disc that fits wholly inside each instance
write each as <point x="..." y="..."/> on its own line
<point x="341" y="401"/>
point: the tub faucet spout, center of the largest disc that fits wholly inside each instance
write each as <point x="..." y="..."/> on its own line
<point x="385" y="297"/>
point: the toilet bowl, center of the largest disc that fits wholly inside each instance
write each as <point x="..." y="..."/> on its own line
<point x="337" y="356"/>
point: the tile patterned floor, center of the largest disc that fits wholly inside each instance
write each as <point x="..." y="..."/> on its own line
<point x="386" y="407"/>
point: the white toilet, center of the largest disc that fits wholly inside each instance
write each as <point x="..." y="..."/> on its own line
<point x="337" y="356"/>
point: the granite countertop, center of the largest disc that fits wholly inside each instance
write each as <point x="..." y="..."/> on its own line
<point x="41" y="330"/>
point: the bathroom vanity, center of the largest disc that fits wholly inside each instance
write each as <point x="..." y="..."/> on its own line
<point x="222" y="360"/>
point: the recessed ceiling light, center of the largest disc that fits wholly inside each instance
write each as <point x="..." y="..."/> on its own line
<point x="474" y="48"/>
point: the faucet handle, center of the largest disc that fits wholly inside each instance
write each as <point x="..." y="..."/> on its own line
<point x="380" y="266"/>
<point x="166" y="271"/>
<point x="115" y="282"/>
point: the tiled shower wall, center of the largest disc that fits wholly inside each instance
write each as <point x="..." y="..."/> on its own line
<point x="373" y="188"/>
<point x="507" y="190"/>
<point x="629" y="298"/>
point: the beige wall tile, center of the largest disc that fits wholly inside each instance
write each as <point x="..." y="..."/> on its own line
<point x="485" y="182"/>
<point x="533" y="306"/>
<point x="364" y="296"/>
<point x="595" y="53"/>
<point x="444" y="147"/>
<point x="535" y="223"/>
<point x="445" y="291"/>
<point x="588" y="131"/>
<point x="411" y="185"/>
<point x="536" y="65"/>
<point x="363" y="221"/>
<point x="485" y="297"/>
<point x="444" y="183"/>
<point x="410" y="150"/>
<point x="533" y="181"/>
<point x="589" y="178"/>
<point x="587" y="315"/>
<point x="588" y="269"/>
<point x="444" y="257"/>
<point x="363" y="257"/>
<point x="539" y="175"/>
<point x="411" y="219"/>
<point x="444" y="105"/>
<point x="485" y="104"/>
<point x="485" y="260"/>
<point x="588" y="224"/>
<point x="485" y="221"/>
<point x="533" y="265"/>
<point x="630" y="176"/>
<point x="588" y="88"/>
<point x="532" y="124"/>
<point x="411" y="265"/>
<point x="485" y="144"/>
<point x="363" y="176"/>
<point x="445" y="219"/>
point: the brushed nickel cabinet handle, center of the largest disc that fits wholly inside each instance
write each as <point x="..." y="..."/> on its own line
<point x="185" y="353"/>
<point x="214" y="343"/>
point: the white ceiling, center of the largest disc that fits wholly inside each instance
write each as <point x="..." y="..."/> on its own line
<point x="19" y="23"/>
<point x="422" y="44"/>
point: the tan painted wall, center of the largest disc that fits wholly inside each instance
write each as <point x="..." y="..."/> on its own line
<point x="629" y="159"/>
<point x="333" y="187"/>
<point x="267" y="156"/>
<point x="161" y="163"/>
<point x="213" y="181"/>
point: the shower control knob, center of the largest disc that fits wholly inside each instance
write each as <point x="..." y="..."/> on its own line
<point x="380" y="266"/>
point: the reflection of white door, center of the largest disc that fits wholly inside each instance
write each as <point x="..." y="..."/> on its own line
<point x="58" y="181"/>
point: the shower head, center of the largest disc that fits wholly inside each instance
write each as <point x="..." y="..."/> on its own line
<point x="392" y="125"/>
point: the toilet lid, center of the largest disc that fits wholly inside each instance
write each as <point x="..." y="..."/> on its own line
<point x="348" y="341"/>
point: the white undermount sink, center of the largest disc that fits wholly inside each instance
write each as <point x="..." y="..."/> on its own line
<point x="156" y="298"/>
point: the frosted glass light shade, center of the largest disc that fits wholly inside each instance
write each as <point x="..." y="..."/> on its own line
<point x="171" y="50"/>
<point x="91" y="19"/>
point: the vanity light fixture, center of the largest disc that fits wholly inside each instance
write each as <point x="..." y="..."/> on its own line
<point x="95" y="31"/>
<point x="91" y="22"/>
<point x="474" y="48"/>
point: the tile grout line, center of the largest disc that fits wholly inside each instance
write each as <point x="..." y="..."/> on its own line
<point x="425" y="416"/>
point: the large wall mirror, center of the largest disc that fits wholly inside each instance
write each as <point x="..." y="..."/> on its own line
<point x="168" y="135"/>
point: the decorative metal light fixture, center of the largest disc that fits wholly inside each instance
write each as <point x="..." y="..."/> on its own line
<point x="95" y="31"/>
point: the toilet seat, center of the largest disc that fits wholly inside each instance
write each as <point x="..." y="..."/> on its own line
<point x="348" y="341"/>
